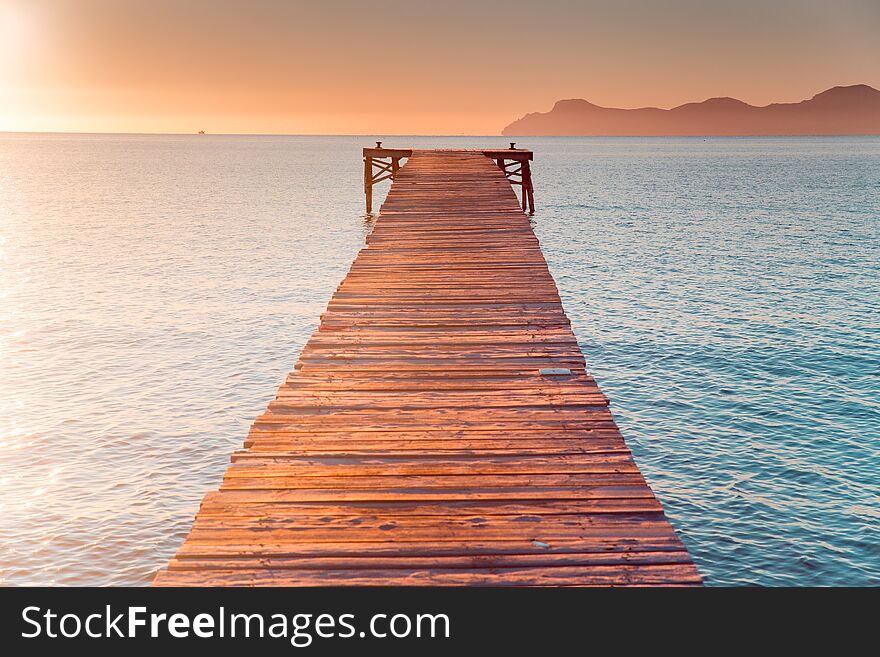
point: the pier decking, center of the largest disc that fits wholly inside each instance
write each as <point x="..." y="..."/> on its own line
<point x="439" y="428"/>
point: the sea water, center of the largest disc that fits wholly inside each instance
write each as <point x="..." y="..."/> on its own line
<point x="155" y="290"/>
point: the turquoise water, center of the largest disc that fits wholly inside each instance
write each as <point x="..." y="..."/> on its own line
<point x="154" y="291"/>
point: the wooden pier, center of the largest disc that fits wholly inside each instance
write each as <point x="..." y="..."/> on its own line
<point x="440" y="427"/>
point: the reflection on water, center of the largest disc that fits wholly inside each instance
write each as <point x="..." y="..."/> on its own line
<point x="154" y="291"/>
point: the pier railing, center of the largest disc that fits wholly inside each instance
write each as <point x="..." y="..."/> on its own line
<point x="382" y="163"/>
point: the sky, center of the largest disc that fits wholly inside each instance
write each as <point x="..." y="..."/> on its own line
<point x="409" y="67"/>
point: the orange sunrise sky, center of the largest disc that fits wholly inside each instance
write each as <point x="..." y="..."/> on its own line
<point x="408" y="67"/>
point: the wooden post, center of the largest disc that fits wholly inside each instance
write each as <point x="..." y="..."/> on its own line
<point x="528" y="189"/>
<point x="395" y="165"/>
<point x="368" y="183"/>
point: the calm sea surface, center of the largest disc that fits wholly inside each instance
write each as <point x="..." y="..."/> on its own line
<point x="155" y="290"/>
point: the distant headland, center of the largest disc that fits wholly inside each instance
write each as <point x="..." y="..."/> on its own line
<point x="853" y="110"/>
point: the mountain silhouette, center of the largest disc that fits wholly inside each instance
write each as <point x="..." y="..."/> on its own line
<point x="853" y="110"/>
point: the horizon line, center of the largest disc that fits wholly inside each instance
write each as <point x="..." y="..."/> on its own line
<point x="246" y="134"/>
<point x="414" y="134"/>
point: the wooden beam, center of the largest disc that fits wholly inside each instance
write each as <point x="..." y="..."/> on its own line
<point x="387" y="152"/>
<point x="368" y="182"/>
<point x="520" y="155"/>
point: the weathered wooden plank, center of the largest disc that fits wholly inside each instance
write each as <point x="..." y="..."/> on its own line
<point x="545" y="560"/>
<point x="219" y="504"/>
<point x="580" y="575"/>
